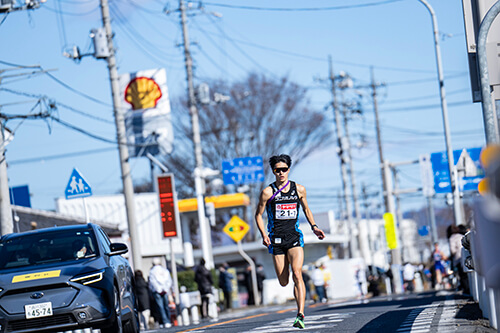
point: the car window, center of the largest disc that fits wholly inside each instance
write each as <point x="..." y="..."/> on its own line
<point x="57" y="246"/>
<point x="104" y="240"/>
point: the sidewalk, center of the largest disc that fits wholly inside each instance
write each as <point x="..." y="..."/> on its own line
<point x="462" y="314"/>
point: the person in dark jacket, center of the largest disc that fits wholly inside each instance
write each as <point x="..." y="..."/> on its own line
<point x="226" y="284"/>
<point x="307" y="281"/>
<point x="142" y="293"/>
<point x="249" y="285"/>
<point x="261" y="276"/>
<point x="203" y="278"/>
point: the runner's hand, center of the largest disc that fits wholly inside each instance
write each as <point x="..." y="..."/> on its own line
<point x="318" y="232"/>
<point x="266" y="241"/>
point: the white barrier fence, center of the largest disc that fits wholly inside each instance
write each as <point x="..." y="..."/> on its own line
<point x="484" y="280"/>
<point x="189" y="302"/>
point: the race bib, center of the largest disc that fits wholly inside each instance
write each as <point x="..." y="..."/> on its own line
<point x="286" y="211"/>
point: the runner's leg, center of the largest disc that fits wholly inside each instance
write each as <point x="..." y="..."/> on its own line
<point x="296" y="257"/>
<point x="281" y="264"/>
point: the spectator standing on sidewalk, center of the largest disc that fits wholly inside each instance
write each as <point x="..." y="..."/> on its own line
<point x="409" y="277"/>
<point x="307" y="281"/>
<point x="160" y="284"/>
<point x="455" y="240"/>
<point x="249" y="285"/>
<point x="142" y="293"/>
<point x="203" y="278"/>
<point x="226" y="284"/>
<point x="319" y="283"/>
<point x="261" y="276"/>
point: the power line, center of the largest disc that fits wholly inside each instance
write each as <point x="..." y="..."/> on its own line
<point x="59" y="156"/>
<point x="60" y="24"/>
<point x="19" y="66"/>
<point x="39" y="97"/>
<point x="150" y="11"/>
<point x="308" y="9"/>
<point x="321" y="59"/>
<point x="142" y="43"/>
<point x="423" y="107"/>
<point x="221" y="50"/>
<point x="398" y="83"/>
<point x="78" y="92"/>
<point x="419" y="98"/>
<point x="80" y="130"/>
<point x="77" y="3"/>
<point x="72" y="13"/>
<point x="4" y="18"/>
<point x="215" y="63"/>
<point x="240" y="50"/>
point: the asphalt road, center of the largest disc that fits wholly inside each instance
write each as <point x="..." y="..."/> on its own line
<point x="442" y="312"/>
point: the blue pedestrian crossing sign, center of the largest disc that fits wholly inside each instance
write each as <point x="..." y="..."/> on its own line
<point x="77" y="186"/>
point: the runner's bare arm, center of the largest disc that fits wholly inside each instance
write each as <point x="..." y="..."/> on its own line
<point x="265" y="195"/>
<point x="307" y="212"/>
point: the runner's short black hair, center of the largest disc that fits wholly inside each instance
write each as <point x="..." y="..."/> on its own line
<point x="280" y="158"/>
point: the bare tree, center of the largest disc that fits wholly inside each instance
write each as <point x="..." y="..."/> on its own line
<point x="264" y="116"/>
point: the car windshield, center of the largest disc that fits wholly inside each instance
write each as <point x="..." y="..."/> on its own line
<point x="57" y="246"/>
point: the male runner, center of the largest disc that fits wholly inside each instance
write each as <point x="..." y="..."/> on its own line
<point x="282" y="200"/>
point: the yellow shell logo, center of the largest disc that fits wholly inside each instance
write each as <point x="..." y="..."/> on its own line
<point x="142" y="93"/>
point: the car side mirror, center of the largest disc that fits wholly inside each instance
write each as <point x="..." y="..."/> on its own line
<point x="118" y="248"/>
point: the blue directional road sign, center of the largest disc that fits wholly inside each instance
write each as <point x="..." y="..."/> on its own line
<point x="77" y="186"/>
<point x="243" y="170"/>
<point x="423" y="230"/>
<point x="441" y="173"/>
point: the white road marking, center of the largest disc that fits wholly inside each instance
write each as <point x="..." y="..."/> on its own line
<point x="313" y="323"/>
<point x="418" y="320"/>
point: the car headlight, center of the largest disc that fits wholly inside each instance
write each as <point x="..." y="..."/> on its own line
<point x="89" y="278"/>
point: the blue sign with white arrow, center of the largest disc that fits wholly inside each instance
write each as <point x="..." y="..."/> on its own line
<point x="243" y="170"/>
<point x="77" y="186"/>
<point x="467" y="163"/>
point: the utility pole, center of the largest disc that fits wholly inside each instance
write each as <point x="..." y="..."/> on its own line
<point x="399" y="214"/>
<point x="205" y="232"/>
<point x="128" y="188"/>
<point x="387" y="187"/>
<point x="343" y="168"/>
<point x="6" y="221"/>
<point x="5" y="209"/>
<point x="457" y="205"/>
<point x="360" y="241"/>
<point x="370" y="238"/>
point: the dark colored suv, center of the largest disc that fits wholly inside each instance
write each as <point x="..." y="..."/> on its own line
<point x="65" y="278"/>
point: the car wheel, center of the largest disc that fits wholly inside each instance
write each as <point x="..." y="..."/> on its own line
<point x="116" y="327"/>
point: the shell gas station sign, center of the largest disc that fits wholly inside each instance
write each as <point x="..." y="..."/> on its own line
<point x="236" y="228"/>
<point x="146" y="104"/>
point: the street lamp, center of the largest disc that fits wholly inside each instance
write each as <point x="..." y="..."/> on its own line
<point x="444" y="109"/>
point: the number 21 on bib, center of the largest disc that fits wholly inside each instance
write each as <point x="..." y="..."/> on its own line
<point x="286" y="211"/>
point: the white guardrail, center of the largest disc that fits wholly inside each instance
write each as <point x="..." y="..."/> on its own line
<point x="484" y="246"/>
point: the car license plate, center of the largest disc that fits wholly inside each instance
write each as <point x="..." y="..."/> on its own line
<point x="38" y="310"/>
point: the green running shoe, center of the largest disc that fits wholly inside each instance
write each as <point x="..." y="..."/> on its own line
<point x="299" y="321"/>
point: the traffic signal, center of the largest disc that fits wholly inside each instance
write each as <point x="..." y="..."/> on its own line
<point x="490" y="161"/>
<point x="168" y="205"/>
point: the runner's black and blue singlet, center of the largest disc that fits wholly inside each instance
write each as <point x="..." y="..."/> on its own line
<point x="283" y="220"/>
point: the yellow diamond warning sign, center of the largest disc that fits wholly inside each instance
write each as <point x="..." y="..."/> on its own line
<point x="236" y="228"/>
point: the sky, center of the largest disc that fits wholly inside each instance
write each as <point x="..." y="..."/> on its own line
<point x="231" y="39"/>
